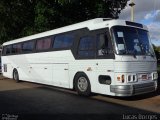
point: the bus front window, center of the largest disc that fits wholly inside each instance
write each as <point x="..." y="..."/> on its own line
<point x="132" y="41"/>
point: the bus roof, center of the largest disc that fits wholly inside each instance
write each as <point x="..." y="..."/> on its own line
<point x="92" y="24"/>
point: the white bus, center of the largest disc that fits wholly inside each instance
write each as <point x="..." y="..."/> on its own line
<point x="105" y="56"/>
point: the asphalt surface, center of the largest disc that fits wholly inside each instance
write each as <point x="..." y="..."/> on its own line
<point x="25" y="101"/>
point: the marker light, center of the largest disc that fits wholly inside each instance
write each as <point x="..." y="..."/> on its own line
<point x="132" y="78"/>
<point x="118" y="78"/>
<point x="121" y="78"/>
<point x="155" y="76"/>
<point x="129" y="78"/>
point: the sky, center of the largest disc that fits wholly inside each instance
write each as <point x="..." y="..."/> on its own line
<point x="146" y="12"/>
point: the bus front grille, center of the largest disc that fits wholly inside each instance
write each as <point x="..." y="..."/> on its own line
<point x="144" y="88"/>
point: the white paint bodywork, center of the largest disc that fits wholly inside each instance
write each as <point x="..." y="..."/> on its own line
<point x="58" y="68"/>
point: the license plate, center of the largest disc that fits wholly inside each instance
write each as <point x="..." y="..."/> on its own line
<point x="144" y="77"/>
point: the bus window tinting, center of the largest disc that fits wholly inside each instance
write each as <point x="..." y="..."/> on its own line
<point x="102" y="42"/>
<point x="43" y="44"/>
<point x="86" y="47"/>
<point x="28" y="46"/>
<point x="63" y="41"/>
<point x="16" y="48"/>
<point x="4" y="51"/>
<point x="7" y="50"/>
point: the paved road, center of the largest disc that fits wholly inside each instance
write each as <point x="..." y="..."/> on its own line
<point x="26" y="101"/>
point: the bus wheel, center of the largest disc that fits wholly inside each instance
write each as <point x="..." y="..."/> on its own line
<point x="15" y="75"/>
<point x="82" y="85"/>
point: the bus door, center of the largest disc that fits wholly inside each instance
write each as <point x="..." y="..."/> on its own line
<point x="104" y="59"/>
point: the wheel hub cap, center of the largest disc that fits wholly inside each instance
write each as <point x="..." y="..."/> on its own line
<point x="82" y="84"/>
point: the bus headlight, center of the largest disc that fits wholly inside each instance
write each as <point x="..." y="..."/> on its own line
<point x="132" y="78"/>
<point x="155" y="76"/>
<point x="121" y="78"/>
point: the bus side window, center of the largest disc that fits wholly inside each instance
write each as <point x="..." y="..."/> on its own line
<point x="4" y="50"/>
<point x="8" y="50"/>
<point x="63" y="41"/>
<point x="86" y="47"/>
<point x="102" y="42"/>
<point x="104" y="46"/>
<point x="43" y="44"/>
<point x="28" y="46"/>
<point x="16" y="48"/>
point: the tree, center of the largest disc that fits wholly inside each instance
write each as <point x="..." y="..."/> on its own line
<point x="157" y="51"/>
<point x="15" y="16"/>
<point x="26" y="17"/>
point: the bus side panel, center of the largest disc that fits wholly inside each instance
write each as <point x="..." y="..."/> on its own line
<point x="7" y="67"/>
<point x="49" y="68"/>
<point x="105" y="67"/>
<point x="93" y="73"/>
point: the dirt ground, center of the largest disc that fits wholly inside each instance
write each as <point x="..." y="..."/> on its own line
<point x="149" y="102"/>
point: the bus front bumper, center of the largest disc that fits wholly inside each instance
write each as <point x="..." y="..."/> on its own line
<point x="135" y="89"/>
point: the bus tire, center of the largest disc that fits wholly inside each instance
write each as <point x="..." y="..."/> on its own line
<point x="15" y="75"/>
<point x="82" y="85"/>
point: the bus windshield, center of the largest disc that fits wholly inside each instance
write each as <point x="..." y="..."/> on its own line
<point x="132" y="41"/>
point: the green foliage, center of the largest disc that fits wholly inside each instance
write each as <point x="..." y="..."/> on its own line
<point x="26" y="17"/>
<point x="157" y="51"/>
<point x="15" y="16"/>
<point x="157" y="48"/>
